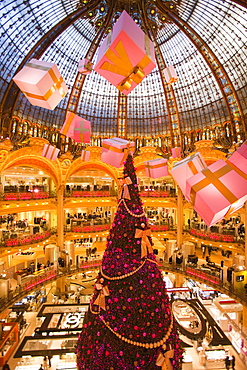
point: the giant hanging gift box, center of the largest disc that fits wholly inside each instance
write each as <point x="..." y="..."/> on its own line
<point x="115" y="151"/>
<point x="76" y="128"/>
<point x="85" y="66"/>
<point x="216" y="191"/>
<point x="186" y="168"/>
<point x="41" y="83"/>
<point x="50" y="152"/>
<point x="176" y="152"/>
<point x="239" y="158"/>
<point x="126" y="55"/>
<point x="156" y="168"/>
<point x="170" y="75"/>
<point x="85" y="155"/>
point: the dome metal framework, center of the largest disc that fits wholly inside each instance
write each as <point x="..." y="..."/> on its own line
<point x="205" y="40"/>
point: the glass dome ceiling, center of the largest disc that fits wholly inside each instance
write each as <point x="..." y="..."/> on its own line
<point x="205" y="41"/>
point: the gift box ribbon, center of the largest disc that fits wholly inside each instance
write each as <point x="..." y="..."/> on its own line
<point x="121" y="64"/>
<point x="146" y="246"/>
<point x="164" y="360"/>
<point x="81" y="129"/>
<point x="190" y="163"/>
<point x="56" y="86"/>
<point x="213" y="178"/>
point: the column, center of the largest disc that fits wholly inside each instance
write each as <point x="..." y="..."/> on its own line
<point x="179" y="218"/>
<point x="179" y="281"/>
<point x="60" y="217"/>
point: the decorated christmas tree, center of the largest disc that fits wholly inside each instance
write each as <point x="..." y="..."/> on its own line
<point x="129" y="324"/>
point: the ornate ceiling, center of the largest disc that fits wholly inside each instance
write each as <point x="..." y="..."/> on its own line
<point x="205" y="40"/>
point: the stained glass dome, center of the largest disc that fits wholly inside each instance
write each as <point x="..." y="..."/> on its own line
<point x="205" y="41"/>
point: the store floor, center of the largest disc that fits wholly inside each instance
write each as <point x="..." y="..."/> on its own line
<point x="56" y="362"/>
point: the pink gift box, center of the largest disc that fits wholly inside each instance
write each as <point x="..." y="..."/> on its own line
<point x="115" y="151"/>
<point x="85" y="66"/>
<point x="239" y="158"/>
<point x="50" y="152"/>
<point x="41" y="83"/>
<point x="186" y="168"/>
<point x="216" y="191"/>
<point x="170" y="75"/>
<point x="156" y="168"/>
<point x="76" y="128"/>
<point x="85" y="155"/>
<point x="126" y="55"/>
<point x="176" y="152"/>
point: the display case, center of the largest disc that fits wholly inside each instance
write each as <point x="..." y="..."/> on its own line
<point x="187" y="362"/>
<point x="215" y="359"/>
<point x="9" y="337"/>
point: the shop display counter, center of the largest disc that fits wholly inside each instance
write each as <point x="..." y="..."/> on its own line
<point x="215" y="359"/>
<point x="187" y="362"/>
<point x="64" y="365"/>
<point x="9" y="338"/>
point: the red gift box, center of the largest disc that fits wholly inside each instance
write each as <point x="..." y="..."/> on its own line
<point x="76" y="128"/>
<point x="50" y="152"/>
<point x="156" y="168"/>
<point x="115" y="151"/>
<point x="41" y="83"/>
<point x="217" y="191"/>
<point x="126" y="55"/>
<point x="186" y="168"/>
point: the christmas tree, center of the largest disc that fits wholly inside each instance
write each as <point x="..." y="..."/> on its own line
<point x="129" y="324"/>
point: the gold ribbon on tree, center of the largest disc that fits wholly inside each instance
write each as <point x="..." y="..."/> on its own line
<point x="146" y="245"/>
<point x="103" y="292"/>
<point x="124" y="192"/>
<point x="164" y="360"/>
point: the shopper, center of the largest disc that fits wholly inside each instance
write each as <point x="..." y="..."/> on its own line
<point x="49" y="360"/>
<point x="6" y="366"/>
<point x="45" y="363"/>
<point x="233" y="362"/>
<point x="227" y="362"/>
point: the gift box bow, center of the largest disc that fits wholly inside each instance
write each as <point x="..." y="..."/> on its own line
<point x="121" y="64"/>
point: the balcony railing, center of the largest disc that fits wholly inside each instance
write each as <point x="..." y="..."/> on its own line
<point x="27" y="239"/>
<point x="225" y="236"/>
<point x="49" y="275"/>
<point x="27" y="195"/>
